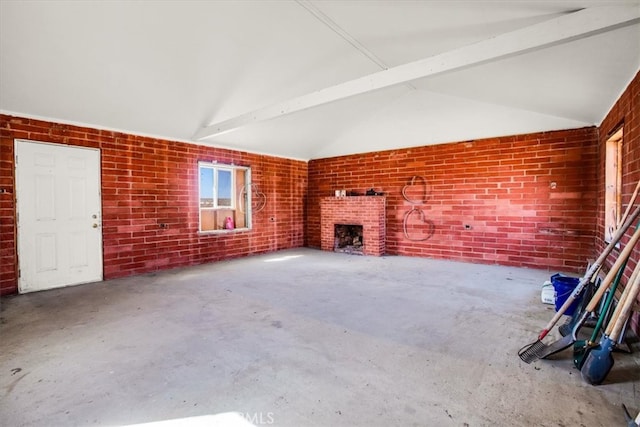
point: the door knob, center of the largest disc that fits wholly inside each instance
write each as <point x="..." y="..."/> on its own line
<point x="95" y="225"/>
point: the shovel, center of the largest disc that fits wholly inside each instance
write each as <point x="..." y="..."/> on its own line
<point x="541" y="350"/>
<point x="580" y="347"/>
<point x="599" y="361"/>
<point x="566" y="328"/>
<point x="531" y="352"/>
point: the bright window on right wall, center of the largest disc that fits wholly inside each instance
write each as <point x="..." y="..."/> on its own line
<point x="613" y="185"/>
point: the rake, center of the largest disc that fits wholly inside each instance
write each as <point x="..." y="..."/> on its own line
<point x="610" y="283"/>
<point x="567" y="327"/>
<point x="536" y="349"/>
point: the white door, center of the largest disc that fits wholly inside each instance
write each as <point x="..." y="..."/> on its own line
<point x="59" y="215"/>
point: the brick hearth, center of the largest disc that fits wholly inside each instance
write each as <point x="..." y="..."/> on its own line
<point x="368" y="211"/>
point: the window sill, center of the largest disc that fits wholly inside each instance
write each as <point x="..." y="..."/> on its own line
<point x="224" y="231"/>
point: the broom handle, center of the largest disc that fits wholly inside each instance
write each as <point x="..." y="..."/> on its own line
<point x="636" y="271"/>
<point x="623" y="310"/>
<point x="622" y="258"/>
<point x="623" y="298"/>
<point x="631" y="202"/>
<point x="590" y="272"/>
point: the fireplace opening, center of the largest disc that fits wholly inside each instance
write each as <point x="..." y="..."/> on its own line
<point x="349" y="239"/>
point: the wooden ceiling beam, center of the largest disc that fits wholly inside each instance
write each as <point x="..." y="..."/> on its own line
<point x="566" y="28"/>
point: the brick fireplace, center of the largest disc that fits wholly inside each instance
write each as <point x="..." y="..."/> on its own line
<point x="367" y="211"/>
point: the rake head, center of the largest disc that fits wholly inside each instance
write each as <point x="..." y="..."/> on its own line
<point x="532" y="352"/>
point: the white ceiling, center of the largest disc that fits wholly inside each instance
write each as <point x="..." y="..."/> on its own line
<point x="170" y="68"/>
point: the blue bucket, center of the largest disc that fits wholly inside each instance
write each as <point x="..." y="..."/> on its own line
<point x="564" y="286"/>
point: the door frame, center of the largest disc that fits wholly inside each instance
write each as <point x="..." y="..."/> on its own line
<point x="17" y="190"/>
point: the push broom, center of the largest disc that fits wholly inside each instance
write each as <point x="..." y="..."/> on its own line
<point x="533" y="351"/>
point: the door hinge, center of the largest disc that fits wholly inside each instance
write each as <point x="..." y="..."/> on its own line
<point x="19" y="273"/>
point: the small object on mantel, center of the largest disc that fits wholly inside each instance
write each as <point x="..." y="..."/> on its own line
<point x="372" y="192"/>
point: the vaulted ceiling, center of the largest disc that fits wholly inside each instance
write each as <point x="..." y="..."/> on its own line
<point x="310" y="79"/>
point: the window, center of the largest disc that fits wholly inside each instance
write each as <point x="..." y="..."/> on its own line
<point x="613" y="183"/>
<point x="224" y="204"/>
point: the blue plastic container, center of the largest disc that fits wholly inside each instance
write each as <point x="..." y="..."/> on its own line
<point x="564" y="286"/>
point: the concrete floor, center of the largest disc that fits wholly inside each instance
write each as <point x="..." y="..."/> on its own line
<point x="298" y="338"/>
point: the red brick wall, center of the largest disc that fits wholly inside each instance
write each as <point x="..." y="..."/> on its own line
<point x="501" y="187"/>
<point x="147" y="181"/>
<point x="625" y="112"/>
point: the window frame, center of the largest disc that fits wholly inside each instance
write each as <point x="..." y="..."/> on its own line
<point x="613" y="183"/>
<point x="236" y="191"/>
